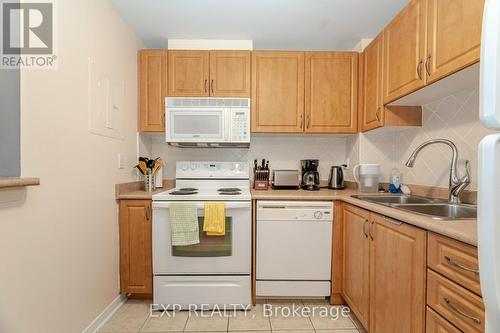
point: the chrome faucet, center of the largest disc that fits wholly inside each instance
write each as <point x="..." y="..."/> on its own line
<point x="456" y="185"/>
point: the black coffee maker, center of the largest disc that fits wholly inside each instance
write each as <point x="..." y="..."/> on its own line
<point x="310" y="175"/>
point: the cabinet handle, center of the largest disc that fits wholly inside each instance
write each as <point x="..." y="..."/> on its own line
<point x="301" y="121"/>
<point x="371" y="231"/>
<point x="396" y="222"/>
<point x="212" y="86"/>
<point x="460" y="312"/>
<point x="428" y="65"/>
<point x="364" y="228"/>
<point x="308" y="121"/>
<point x="163" y="117"/>
<point x="451" y="262"/>
<point x="377" y="114"/>
<point x="148" y="215"/>
<point x="205" y="85"/>
<point x="419" y="69"/>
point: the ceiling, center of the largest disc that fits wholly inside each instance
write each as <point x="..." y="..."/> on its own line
<point x="271" y="24"/>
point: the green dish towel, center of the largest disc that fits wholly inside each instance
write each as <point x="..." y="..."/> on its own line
<point x="184" y="224"/>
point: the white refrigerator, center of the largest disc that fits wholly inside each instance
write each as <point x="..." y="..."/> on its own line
<point x="489" y="167"/>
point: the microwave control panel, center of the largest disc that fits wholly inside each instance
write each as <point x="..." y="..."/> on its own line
<point x="240" y="131"/>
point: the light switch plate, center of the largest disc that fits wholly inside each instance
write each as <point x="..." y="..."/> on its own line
<point x="120" y="161"/>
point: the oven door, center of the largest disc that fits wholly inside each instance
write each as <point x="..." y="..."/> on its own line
<point x="196" y="125"/>
<point x="229" y="254"/>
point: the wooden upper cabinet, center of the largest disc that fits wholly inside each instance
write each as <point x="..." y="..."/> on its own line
<point x="397" y="276"/>
<point x="277" y="91"/>
<point x="356" y="278"/>
<point x="188" y="73"/>
<point x="372" y="113"/>
<point x="152" y="89"/>
<point x="453" y="36"/>
<point x="331" y="80"/>
<point x="230" y="73"/>
<point x="404" y="52"/>
<point x="136" y="275"/>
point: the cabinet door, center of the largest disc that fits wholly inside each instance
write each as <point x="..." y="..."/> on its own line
<point x="397" y="277"/>
<point x="453" y="36"/>
<point x="331" y="92"/>
<point x="277" y="91"/>
<point x="230" y="73"/>
<point x="152" y="90"/>
<point x="136" y="275"/>
<point x="356" y="278"/>
<point x="372" y="111"/>
<point x="404" y="52"/>
<point x="188" y="73"/>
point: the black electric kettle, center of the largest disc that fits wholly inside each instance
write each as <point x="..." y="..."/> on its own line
<point x="336" y="178"/>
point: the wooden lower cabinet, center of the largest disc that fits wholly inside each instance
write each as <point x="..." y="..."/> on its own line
<point x="356" y="250"/>
<point x="397" y="276"/>
<point x="384" y="272"/>
<point x="136" y="274"/>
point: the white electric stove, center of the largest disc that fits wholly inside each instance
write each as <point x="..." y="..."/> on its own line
<point x="215" y="272"/>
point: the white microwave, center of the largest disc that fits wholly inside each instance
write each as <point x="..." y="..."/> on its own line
<point x="207" y="122"/>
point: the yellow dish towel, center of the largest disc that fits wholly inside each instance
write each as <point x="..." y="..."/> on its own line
<point x="215" y="219"/>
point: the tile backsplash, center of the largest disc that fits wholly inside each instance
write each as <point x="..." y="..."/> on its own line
<point x="455" y="117"/>
<point x="284" y="152"/>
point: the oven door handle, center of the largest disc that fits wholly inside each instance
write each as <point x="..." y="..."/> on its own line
<point x="201" y="205"/>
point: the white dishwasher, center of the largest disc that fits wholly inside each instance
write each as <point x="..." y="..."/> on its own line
<point x="294" y="248"/>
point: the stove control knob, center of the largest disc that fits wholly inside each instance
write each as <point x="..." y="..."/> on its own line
<point x="184" y="166"/>
<point x="193" y="166"/>
<point x="318" y="215"/>
<point x="233" y="166"/>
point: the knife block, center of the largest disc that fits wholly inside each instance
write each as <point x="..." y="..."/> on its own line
<point x="261" y="179"/>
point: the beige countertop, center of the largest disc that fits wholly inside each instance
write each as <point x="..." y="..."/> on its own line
<point x="462" y="230"/>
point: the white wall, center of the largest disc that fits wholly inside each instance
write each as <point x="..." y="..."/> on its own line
<point x="455" y="117"/>
<point x="59" y="244"/>
<point x="284" y="152"/>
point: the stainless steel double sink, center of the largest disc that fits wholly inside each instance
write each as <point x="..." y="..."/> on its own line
<point x="434" y="208"/>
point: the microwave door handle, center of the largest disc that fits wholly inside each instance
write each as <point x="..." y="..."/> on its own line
<point x="228" y="117"/>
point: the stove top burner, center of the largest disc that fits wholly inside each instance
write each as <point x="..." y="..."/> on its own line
<point x="229" y="189"/>
<point x="183" y="192"/>
<point x="188" y="189"/>
<point x="229" y="193"/>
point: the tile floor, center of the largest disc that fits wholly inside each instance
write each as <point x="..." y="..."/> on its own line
<point x="134" y="316"/>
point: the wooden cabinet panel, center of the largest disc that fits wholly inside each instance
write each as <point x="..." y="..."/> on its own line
<point x="397" y="276"/>
<point x="136" y="275"/>
<point x="372" y="115"/>
<point x="356" y="275"/>
<point x="459" y="306"/>
<point x="453" y="36"/>
<point x="404" y="52"/>
<point x="277" y="91"/>
<point x="188" y="73"/>
<point x="331" y="80"/>
<point x="437" y="324"/>
<point x="152" y="66"/>
<point x="230" y="73"/>
<point x="455" y="260"/>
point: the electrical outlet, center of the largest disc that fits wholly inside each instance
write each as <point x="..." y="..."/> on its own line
<point x="120" y="161"/>
<point x="348" y="163"/>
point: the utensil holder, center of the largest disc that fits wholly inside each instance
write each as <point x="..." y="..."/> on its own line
<point x="261" y="179"/>
<point x="149" y="183"/>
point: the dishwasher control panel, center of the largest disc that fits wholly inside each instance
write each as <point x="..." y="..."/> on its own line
<point x="295" y="211"/>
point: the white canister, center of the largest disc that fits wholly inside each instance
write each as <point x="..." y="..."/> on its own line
<point x="367" y="177"/>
